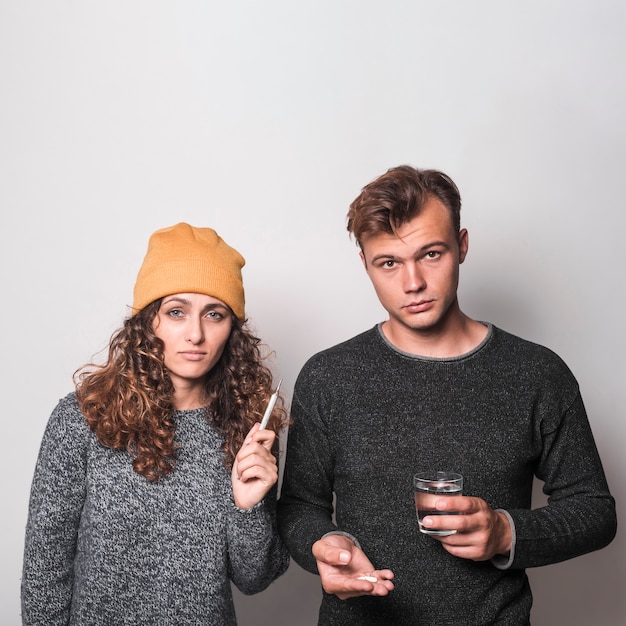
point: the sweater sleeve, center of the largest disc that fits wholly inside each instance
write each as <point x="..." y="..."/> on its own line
<point x="257" y="556"/>
<point x="56" y="500"/>
<point x="580" y="515"/>
<point x="305" y="509"/>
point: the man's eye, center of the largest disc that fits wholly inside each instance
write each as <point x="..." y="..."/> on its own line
<point x="389" y="264"/>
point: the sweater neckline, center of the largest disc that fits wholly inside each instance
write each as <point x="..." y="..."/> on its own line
<point x="451" y="359"/>
<point x="189" y="412"/>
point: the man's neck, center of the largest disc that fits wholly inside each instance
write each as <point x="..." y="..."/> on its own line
<point x="454" y="337"/>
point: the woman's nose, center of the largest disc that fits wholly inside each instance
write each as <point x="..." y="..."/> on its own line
<point x="195" y="332"/>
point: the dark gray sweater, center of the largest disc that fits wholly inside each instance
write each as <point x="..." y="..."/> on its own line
<point x="104" y="546"/>
<point x="368" y="417"/>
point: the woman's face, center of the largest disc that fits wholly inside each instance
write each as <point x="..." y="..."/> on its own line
<point x="194" y="329"/>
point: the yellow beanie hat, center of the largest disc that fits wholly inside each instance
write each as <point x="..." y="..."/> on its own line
<point x="185" y="259"/>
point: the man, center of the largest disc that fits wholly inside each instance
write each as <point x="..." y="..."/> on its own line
<point x="432" y="389"/>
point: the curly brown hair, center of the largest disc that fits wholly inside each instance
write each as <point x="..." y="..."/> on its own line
<point x="128" y="401"/>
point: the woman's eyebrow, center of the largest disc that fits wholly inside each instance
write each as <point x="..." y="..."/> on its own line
<point x="215" y="305"/>
<point x="176" y="299"/>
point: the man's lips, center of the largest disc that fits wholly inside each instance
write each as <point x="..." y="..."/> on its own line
<point x="418" y="307"/>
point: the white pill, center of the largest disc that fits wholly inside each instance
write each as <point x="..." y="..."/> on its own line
<point x="371" y="579"/>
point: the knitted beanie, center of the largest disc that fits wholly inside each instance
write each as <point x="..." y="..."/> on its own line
<point x="185" y="259"/>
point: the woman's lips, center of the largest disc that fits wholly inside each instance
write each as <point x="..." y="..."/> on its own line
<point x="193" y="356"/>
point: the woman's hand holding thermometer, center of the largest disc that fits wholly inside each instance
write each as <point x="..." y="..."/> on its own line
<point x="270" y="407"/>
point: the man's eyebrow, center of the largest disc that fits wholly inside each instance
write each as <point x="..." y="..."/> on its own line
<point x="384" y="256"/>
<point x="434" y="244"/>
<point x="388" y="256"/>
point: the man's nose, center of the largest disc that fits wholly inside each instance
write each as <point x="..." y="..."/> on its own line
<point x="413" y="278"/>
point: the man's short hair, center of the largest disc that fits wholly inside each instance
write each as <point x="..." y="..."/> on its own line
<point x="397" y="196"/>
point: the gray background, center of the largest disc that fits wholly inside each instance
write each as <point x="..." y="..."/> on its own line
<point x="264" y="120"/>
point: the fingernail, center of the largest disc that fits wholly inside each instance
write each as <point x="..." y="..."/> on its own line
<point x="344" y="557"/>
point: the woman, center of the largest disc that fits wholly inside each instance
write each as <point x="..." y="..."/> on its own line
<point x="154" y="486"/>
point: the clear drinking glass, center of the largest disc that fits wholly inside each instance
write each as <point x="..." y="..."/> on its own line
<point x="429" y="487"/>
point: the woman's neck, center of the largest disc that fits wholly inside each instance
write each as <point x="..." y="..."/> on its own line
<point x="185" y="399"/>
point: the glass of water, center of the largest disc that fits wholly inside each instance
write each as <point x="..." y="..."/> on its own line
<point x="429" y="487"/>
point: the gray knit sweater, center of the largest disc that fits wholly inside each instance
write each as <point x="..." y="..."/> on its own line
<point x="368" y="417"/>
<point x="105" y="546"/>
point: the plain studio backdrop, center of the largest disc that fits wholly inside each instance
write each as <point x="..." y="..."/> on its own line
<point x="264" y="120"/>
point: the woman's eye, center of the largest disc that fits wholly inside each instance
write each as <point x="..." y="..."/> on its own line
<point x="215" y="315"/>
<point x="175" y="313"/>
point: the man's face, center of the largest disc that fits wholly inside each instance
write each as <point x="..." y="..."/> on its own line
<point x="416" y="272"/>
